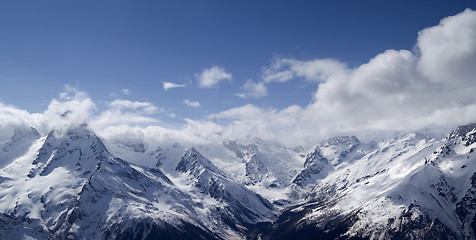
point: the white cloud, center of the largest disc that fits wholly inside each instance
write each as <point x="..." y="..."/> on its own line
<point x="397" y="90"/>
<point x="11" y="118"/>
<point x="116" y="117"/>
<point x="145" y="107"/>
<point x="125" y="112"/>
<point x="126" y="91"/>
<point x="448" y="51"/>
<point x="285" y="69"/>
<point x="252" y="89"/>
<point x="72" y="109"/>
<point x="171" y="115"/>
<point x="168" y="85"/>
<point x="289" y="125"/>
<point x="400" y="90"/>
<point x="191" y="103"/>
<point x="212" y="76"/>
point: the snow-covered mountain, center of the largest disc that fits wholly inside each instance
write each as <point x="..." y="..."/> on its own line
<point x="240" y="205"/>
<point x="408" y="187"/>
<point x="72" y="187"/>
<point x="18" y="144"/>
<point x="76" y="185"/>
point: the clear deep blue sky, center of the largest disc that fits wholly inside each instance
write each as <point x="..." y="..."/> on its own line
<point x="101" y="47"/>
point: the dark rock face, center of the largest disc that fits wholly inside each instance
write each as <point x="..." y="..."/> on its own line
<point x="17" y="228"/>
<point x="291" y="225"/>
<point x="148" y="229"/>
<point x="420" y="227"/>
<point x="462" y="131"/>
<point x="316" y="166"/>
<point x="466" y="210"/>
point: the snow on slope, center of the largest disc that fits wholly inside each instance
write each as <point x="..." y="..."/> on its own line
<point x="269" y="167"/>
<point x="242" y="205"/>
<point x="17" y="145"/>
<point x="44" y="183"/>
<point x="75" y="186"/>
<point x="406" y="187"/>
<point x="71" y="186"/>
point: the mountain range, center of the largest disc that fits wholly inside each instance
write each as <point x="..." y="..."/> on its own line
<point x="77" y="185"/>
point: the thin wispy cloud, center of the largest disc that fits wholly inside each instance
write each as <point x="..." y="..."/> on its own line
<point x="285" y="69"/>
<point x="211" y="77"/>
<point x="169" y="85"/>
<point x="147" y="107"/>
<point x="191" y="103"/>
<point x="126" y="91"/>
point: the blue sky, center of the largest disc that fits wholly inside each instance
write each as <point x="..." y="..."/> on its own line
<point x="128" y="49"/>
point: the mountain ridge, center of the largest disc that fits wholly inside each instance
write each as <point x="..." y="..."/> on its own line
<point x="72" y="186"/>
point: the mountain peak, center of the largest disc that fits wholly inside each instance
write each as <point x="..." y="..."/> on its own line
<point x="78" y="150"/>
<point x="315" y="156"/>
<point x="463" y="129"/>
<point x="193" y="159"/>
<point x="18" y="145"/>
<point x="22" y="133"/>
<point x="316" y="167"/>
<point x="339" y="141"/>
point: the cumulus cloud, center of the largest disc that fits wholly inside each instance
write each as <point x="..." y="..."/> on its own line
<point x="448" y="51"/>
<point x="11" y="118"/>
<point x="400" y="90"/>
<point x="212" y="76"/>
<point x="397" y="90"/>
<point x="191" y="103"/>
<point x="71" y="109"/>
<point x="252" y="89"/>
<point x="169" y="85"/>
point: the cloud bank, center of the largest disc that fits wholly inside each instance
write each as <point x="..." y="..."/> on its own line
<point x="398" y="90"/>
